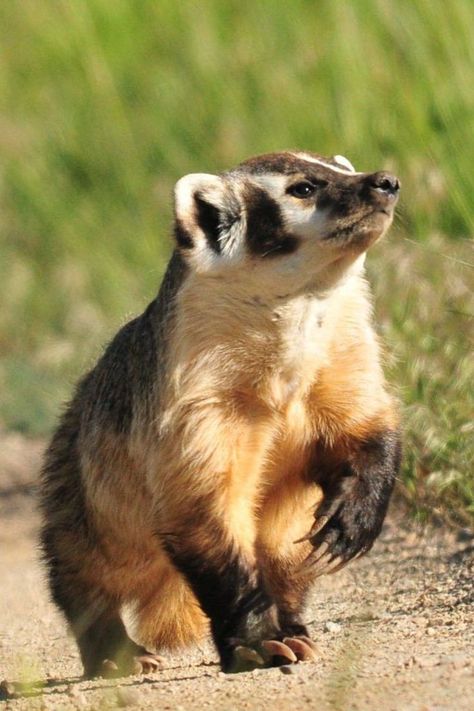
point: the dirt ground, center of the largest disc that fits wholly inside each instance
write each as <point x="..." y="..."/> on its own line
<point x="395" y="630"/>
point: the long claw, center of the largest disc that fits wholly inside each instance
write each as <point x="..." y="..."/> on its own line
<point x="315" y="556"/>
<point x="306" y="537"/>
<point x="303" y="651"/>
<point x="278" y="649"/>
<point x="315" y="528"/>
<point x="319" y="524"/>
<point x="336" y="564"/>
<point x="320" y="552"/>
<point x="309" y="642"/>
<point x="319" y="565"/>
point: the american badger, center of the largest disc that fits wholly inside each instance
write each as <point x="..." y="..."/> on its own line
<point x="237" y="439"/>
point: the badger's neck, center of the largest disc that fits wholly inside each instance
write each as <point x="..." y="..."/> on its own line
<point x="228" y="336"/>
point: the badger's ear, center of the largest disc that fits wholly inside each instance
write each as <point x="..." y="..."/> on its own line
<point x="206" y="210"/>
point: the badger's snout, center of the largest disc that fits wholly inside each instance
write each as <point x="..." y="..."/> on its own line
<point x="382" y="189"/>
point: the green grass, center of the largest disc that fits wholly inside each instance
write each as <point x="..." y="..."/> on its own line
<point x="103" y="105"/>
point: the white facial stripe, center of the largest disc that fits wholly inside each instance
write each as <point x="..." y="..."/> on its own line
<point x="342" y="160"/>
<point x="273" y="182"/>
<point x="310" y="159"/>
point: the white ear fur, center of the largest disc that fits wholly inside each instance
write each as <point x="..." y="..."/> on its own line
<point x="210" y="187"/>
<point x="205" y="254"/>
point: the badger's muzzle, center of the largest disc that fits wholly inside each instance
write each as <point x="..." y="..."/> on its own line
<point x="382" y="190"/>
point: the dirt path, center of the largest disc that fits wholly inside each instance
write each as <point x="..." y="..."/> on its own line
<point x="395" y="630"/>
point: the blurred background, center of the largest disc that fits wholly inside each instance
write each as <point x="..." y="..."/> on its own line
<point x="104" y="104"/>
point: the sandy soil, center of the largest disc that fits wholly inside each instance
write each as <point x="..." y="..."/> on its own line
<point x="395" y="630"/>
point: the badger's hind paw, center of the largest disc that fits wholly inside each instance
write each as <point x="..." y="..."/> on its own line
<point x="141" y="664"/>
<point x="273" y="653"/>
<point x="148" y="663"/>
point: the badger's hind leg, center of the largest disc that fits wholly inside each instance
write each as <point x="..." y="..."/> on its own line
<point x="92" y="612"/>
<point x="104" y="645"/>
<point x="107" y="650"/>
<point x="82" y="582"/>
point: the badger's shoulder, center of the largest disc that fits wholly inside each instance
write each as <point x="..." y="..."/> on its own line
<point x="126" y="380"/>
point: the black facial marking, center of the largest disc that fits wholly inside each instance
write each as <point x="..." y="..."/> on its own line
<point x="266" y="233"/>
<point x="208" y="219"/>
<point x="346" y="196"/>
<point x="340" y="197"/>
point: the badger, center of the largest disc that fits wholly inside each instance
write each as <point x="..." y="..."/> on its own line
<point x="238" y="439"/>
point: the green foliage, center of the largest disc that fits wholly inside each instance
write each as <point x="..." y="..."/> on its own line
<point x="425" y="306"/>
<point x="103" y="105"/>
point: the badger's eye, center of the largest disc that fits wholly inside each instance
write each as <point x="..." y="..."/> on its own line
<point x="302" y="190"/>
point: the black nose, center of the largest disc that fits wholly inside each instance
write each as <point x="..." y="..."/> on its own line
<point x="384" y="183"/>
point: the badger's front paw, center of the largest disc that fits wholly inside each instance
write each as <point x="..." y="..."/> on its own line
<point x="346" y="526"/>
<point x="271" y="653"/>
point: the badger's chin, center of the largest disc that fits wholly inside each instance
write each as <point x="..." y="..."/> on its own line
<point x="362" y="231"/>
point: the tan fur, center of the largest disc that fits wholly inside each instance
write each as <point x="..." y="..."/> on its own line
<point x="239" y="435"/>
<point x="251" y="401"/>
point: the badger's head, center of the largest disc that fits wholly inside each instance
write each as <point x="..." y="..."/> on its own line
<point x="285" y="215"/>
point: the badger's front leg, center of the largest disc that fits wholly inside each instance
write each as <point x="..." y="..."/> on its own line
<point x="227" y="585"/>
<point x="356" y="486"/>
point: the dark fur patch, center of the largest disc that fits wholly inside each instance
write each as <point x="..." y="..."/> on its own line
<point x="287" y="164"/>
<point x="340" y="199"/>
<point x="182" y="236"/>
<point x="62" y="491"/>
<point x="208" y="219"/>
<point x="266" y="233"/>
<point x="357" y="491"/>
<point x="282" y="163"/>
<point x="225" y="589"/>
<point x="65" y="511"/>
<point x="125" y="378"/>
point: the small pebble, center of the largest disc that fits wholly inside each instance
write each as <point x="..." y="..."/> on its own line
<point x="333" y="627"/>
<point x="292" y="668"/>
<point x="465" y="534"/>
<point x="7" y="690"/>
<point x="419" y="621"/>
<point x="127" y="697"/>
